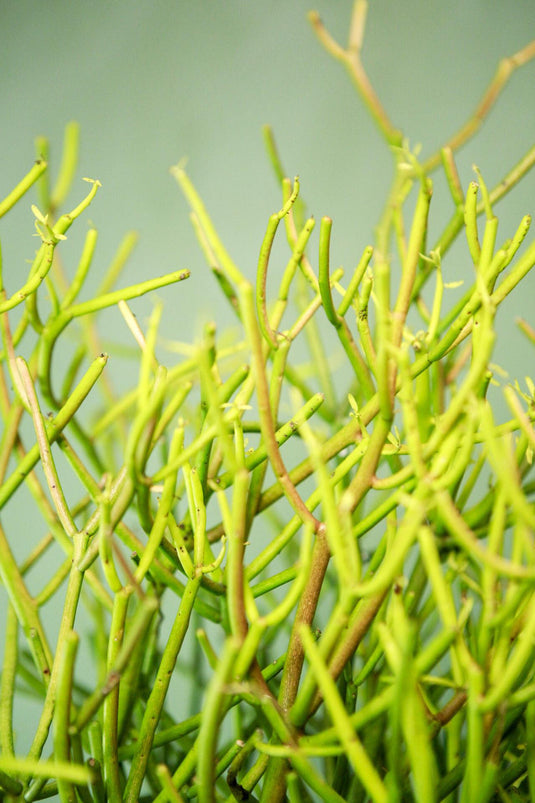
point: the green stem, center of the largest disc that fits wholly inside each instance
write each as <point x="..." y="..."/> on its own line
<point x="62" y="711"/>
<point x="23" y="186"/>
<point x="157" y="697"/>
<point x="7" y="683"/>
<point x="213" y="710"/>
<point x="54" y="428"/>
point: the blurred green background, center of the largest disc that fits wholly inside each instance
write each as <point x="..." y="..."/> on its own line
<point x="153" y="82"/>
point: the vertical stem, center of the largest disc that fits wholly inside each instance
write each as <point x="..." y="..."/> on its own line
<point x="157" y="697"/>
<point x="62" y="711"/>
<point x="7" y="683"/>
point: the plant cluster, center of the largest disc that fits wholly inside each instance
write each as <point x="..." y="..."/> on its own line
<point x="332" y="567"/>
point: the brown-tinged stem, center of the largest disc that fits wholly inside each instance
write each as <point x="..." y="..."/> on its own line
<point x="362" y="619"/>
<point x="305" y="615"/>
<point x="264" y="409"/>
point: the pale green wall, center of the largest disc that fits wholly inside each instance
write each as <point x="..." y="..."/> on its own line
<point x="152" y="82"/>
